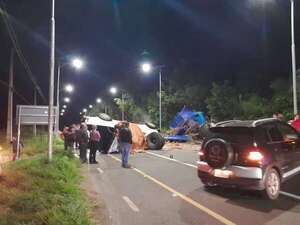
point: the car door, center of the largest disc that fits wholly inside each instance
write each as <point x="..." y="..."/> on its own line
<point x="277" y="147"/>
<point x="291" y="145"/>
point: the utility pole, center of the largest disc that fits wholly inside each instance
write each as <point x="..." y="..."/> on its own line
<point x="293" y="57"/>
<point x="160" y="95"/>
<point x="35" y="103"/>
<point x="57" y="99"/>
<point x="51" y="82"/>
<point x="9" y="128"/>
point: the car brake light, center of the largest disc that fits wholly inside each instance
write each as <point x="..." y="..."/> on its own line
<point x="255" y="156"/>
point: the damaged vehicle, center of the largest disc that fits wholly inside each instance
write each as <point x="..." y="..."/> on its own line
<point x="144" y="136"/>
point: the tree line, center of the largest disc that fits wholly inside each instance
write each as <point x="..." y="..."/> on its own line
<point x="224" y="100"/>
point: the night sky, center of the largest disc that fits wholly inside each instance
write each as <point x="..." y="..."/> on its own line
<point x="212" y="39"/>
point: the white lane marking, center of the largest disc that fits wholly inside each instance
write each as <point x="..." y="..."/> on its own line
<point x="100" y="170"/>
<point x="292" y="172"/>
<point x="182" y="196"/>
<point x="290" y="195"/>
<point x="131" y="204"/>
<point x="174" y="160"/>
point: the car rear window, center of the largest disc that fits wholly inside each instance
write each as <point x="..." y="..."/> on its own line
<point x="241" y="135"/>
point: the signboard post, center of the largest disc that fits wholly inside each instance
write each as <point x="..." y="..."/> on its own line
<point x="32" y="115"/>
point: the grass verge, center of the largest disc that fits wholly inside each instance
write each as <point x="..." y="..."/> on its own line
<point x="35" y="192"/>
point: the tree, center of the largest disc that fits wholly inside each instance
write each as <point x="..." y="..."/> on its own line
<point x="254" y="107"/>
<point x="223" y="104"/>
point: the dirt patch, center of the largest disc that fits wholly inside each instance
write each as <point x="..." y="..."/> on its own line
<point x="98" y="213"/>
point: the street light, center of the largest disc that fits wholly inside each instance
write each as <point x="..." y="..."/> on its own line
<point x="63" y="110"/>
<point x="84" y="110"/>
<point x="146" y="68"/>
<point x="113" y="90"/>
<point x="64" y="106"/>
<point x="90" y="106"/>
<point x="69" y="88"/>
<point x="293" y="56"/>
<point x="77" y="63"/>
<point x="67" y="99"/>
<point x="98" y="100"/>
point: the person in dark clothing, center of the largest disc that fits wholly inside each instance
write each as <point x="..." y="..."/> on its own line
<point x="66" y="134"/>
<point x="94" y="144"/>
<point x="14" y="145"/>
<point x="125" y="141"/>
<point x="83" y="140"/>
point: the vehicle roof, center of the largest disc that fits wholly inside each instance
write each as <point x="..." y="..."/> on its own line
<point x="244" y="123"/>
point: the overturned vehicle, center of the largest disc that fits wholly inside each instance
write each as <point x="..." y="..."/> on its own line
<point x="144" y="136"/>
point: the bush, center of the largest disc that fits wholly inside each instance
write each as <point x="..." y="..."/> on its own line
<point x="33" y="191"/>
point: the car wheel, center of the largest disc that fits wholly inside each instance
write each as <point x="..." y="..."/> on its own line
<point x="208" y="184"/>
<point x="218" y="153"/>
<point x="272" y="184"/>
<point x="155" y="141"/>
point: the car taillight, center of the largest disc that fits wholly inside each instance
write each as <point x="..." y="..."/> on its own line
<point x="255" y="156"/>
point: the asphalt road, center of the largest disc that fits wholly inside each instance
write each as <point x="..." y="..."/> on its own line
<point x="163" y="188"/>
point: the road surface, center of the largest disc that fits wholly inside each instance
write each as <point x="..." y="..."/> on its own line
<point x="163" y="188"/>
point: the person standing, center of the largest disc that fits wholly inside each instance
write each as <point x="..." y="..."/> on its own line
<point x="296" y="123"/>
<point x="83" y="140"/>
<point x="125" y="142"/>
<point x="66" y="134"/>
<point x="94" y="144"/>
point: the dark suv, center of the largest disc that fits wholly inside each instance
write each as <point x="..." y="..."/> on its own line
<point x="256" y="155"/>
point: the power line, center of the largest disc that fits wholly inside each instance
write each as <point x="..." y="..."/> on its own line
<point x="13" y="37"/>
<point x="16" y="92"/>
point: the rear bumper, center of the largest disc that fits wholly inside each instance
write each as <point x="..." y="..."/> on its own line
<point x="250" y="178"/>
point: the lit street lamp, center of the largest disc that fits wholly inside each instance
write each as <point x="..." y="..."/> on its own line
<point x="146" y="68"/>
<point x="90" y="106"/>
<point x="84" y="110"/>
<point x="69" y="88"/>
<point x="113" y="90"/>
<point x="67" y="99"/>
<point x="77" y="63"/>
<point x="98" y="100"/>
<point x="64" y="106"/>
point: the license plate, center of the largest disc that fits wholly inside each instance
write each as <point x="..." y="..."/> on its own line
<point x="222" y="173"/>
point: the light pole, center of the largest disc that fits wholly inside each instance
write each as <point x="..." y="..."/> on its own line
<point x="113" y="90"/>
<point x="51" y="82"/>
<point x="146" y="68"/>
<point x="293" y="57"/>
<point x="78" y="64"/>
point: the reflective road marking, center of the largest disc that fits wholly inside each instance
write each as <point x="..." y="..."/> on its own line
<point x="100" y="170"/>
<point x="182" y="196"/>
<point x="131" y="204"/>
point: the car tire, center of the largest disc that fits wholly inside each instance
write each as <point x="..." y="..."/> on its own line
<point x="272" y="184"/>
<point x="150" y="125"/>
<point x="218" y="153"/>
<point x="208" y="184"/>
<point x="155" y="141"/>
<point x="104" y="116"/>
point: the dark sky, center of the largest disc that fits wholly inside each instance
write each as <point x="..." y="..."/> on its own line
<point x="212" y="39"/>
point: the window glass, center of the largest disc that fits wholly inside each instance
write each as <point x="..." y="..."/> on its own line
<point x="288" y="133"/>
<point x="274" y="133"/>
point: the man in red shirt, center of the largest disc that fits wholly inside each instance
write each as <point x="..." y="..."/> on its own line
<point x="296" y="123"/>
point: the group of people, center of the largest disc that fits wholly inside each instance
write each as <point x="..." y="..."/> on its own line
<point x="78" y="136"/>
